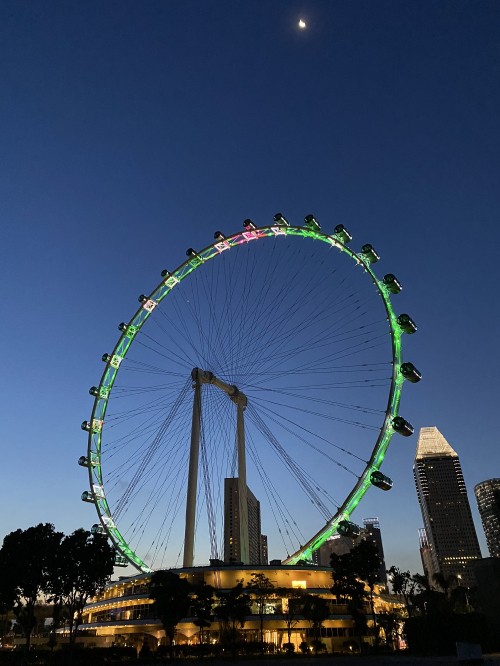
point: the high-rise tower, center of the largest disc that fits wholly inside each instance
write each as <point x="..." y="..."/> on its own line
<point x="451" y="536"/>
<point x="488" y="502"/>
<point x="232" y="519"/>
<point x="371" y="532"/>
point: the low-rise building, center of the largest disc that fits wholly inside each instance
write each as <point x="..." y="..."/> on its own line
<point x="123" y="613"/>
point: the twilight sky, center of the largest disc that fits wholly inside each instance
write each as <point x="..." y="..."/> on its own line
<point x="133" y="130"/>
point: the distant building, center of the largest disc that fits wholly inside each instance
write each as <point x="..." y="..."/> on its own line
<point x="335" y="544"/>
<point x="451" y="536"/>
<point x="232" y="546"/>
<point x="488" y="502"/>
<point x="371" y="532"/>
<point x="340" y="545"/>
<point x="264" y="555"/>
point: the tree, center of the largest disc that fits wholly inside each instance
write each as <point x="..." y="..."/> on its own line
<point x="262" y="590"/>
<point x="405" y="586"/>
<point x="171" y="595"/>
<point x="315" y="610"/>
<point x="348" y="588"/>
<point x="27" y="556"/>
<point x="82" y="566"/>
<point x="390" y="622"/>
<point x="366" y="563"/>
<point x="292" y="609"/>
<point x="202" y="602"/>
<point x="233" y="609"/>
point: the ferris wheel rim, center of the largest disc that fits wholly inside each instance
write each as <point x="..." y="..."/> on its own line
<point x="169" y="281"/>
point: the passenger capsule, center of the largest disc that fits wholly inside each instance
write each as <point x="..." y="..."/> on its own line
<point x="410" y="372"/>
<point x="280" y="219"/>
<point x="248" y="224"/>
<point x="369" y="253"/>
<point x="346" y="528"/>
<point x="191" y="253"/>
<point x="85" y="426"/>
<point x="164" y="273"/>
<point x="406" y="324"/>
<point x="342" y="234"/>
<point x="106" y="358"/>
<point x="83" y="461"/>
<point x="93" y="390"/>
<point x="392" y="283"/>
<point x="87" y="496"/>
<point x="380" y="480"/>
<point x="97" y="529"/>
<point x="143" y="298"/>
<point x="122" y="327"/>
<point x="312" y="223"/>
<point x="219" y="236"/>
<point x="402" y="426"/>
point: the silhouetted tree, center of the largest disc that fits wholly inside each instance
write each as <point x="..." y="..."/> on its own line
<point x="171" y="604"/>
<point x="202" y="601"/>
<point x="315" y="610"/>
<point x="233" y="609"/>
<point x="26" y="558"/>
<point x="405" y="586"/>
<point x="292" y="609"/>
<point x="262" y="590"/>
<point x="348" y="588"/>
<point x="82" y="566"/>
<point x="366" y="563"/>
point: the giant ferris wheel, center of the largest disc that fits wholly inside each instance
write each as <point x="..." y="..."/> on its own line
<point x="273" y="356"/>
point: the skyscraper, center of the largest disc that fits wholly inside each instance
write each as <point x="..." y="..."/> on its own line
<point x="371" y="532"/>
<point x="232" y="546"/>
<point x="451" y="536"/>
<point x="488" y="502"/>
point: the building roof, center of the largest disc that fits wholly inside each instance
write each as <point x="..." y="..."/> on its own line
<point x="431" y="444"/>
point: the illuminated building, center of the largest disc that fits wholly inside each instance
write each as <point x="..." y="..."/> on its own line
<point x="123" y="615"/>
<point x="338" y="544"/>
<point x="488" y="502"/>
<point x="451" y="536"/>
<point x="232" y="547"/>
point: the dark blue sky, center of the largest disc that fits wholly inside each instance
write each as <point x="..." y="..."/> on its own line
<point x="132" y="130"/>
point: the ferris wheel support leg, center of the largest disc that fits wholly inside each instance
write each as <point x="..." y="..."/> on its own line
<point x="192" y="476"/>
<point x="242" y="486"/>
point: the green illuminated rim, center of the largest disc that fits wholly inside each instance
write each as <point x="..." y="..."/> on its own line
<point x="169" y="282"/>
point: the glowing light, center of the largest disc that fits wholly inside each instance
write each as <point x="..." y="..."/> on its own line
<point x="302" y="24"/>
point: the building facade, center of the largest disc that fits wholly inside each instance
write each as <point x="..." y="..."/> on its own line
<point x="371" y="532"/>
<point x="452" y="545"/>
<point x="488" y="502"/>
<point x="340" y="545"/>
<point x="123" y="613"/>
<point x="232" y="516"/>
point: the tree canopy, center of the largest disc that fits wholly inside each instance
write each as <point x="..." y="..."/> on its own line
<point x="82" y="566"/>
<point x="172" y="601"/>
<point x="26" y="561"/>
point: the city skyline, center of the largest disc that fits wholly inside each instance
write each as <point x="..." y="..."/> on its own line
<point x="125" y="145"/>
